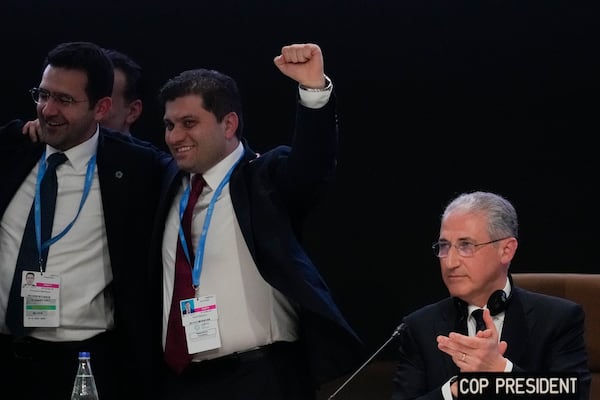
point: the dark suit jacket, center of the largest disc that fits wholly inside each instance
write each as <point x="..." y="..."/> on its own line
<point x="544" y="334"/>
<point x="272" y="194"/>
<point x="129" y="173"/>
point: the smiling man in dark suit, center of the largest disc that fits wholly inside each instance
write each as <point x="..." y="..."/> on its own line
<point x="107" y="195"/>
<point x="271" y="330"/>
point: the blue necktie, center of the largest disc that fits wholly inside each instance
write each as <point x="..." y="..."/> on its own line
<point x="28" y="258"/>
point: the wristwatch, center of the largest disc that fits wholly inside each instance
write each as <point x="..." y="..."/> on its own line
<point x="327" y="87"/>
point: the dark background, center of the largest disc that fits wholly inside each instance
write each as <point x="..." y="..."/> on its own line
<point x="435" y="98"/>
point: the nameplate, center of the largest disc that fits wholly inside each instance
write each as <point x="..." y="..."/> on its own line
<point x="518" y="386"/>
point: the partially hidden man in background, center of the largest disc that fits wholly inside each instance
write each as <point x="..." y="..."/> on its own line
<point x="518" y="330"/>
<point x="265" y="325"/>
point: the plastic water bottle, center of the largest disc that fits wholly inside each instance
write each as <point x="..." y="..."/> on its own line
<point x="84" y="387"/>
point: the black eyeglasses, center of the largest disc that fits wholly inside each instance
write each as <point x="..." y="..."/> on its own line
<point x="41" y="96"/>
<point x="463" y="247"/>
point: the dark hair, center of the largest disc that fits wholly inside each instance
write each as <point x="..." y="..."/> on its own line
<point x="131" y="70"/>
<point x="89" y="58"/>
<point x="219" y="92"/>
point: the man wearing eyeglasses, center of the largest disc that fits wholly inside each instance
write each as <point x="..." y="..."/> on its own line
<point x="516" y="331"/>
<point x="91" y="265"/>
<point x="127" y="105"/>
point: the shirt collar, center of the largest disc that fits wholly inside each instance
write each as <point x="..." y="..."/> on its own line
<point x="79" y="155"/>
<point x="215" y="175"/>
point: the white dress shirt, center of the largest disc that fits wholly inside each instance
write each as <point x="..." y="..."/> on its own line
<point x="80" y="257"/>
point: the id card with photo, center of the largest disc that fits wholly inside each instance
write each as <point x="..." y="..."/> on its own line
<point x="201" y="321"/>
<point x="41" y="306"/>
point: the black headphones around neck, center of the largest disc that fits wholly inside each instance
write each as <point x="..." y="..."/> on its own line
<point x="497" y="302"/>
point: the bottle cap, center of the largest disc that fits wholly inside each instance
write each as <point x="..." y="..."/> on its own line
<point x="84" y="354"/>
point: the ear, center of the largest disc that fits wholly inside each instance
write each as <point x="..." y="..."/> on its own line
<point x="508" y="249"/>
<point x="134" y="111"/>
<point x="102" y="108"/>
<point x="231" y="122"/>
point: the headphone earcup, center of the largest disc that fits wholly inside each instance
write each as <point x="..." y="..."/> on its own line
<point x="497" y="302"/>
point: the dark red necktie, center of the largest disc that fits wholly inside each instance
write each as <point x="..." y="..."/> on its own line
<point x="176" y="353"/>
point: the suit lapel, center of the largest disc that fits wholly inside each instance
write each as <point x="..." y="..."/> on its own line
<point x="111" y="171"/>
<point x="171" y="183"/>
<point x="453" y="320"/>
<point x="515" y="330"/>
<point x="239" y="192"/>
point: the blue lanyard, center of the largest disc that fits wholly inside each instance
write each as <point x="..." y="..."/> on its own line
<point x="197" y="269"/>
<point x="89" y="175"/>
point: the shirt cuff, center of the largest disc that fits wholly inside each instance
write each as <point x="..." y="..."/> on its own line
<point x="316" y="98"/>
<point x="446" y="392"/>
